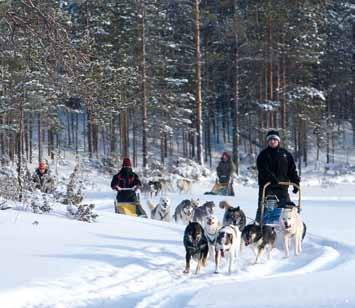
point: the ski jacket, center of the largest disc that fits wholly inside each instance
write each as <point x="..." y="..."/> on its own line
<point x="126" y="178"/>
<point x="225" y="170"/>
<point x="276" y="165"/>
<point x="43" y="181"/>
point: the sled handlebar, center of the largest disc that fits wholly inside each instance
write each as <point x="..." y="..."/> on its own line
<point x="282" y="184"/>
<point x="128" y="188"/>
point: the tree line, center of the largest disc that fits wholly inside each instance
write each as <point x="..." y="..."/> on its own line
<point x="110" y="79"/>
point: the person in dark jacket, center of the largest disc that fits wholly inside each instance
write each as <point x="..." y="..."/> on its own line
<point x="42" y="178"/>
<point x="126" y="178"/>
<point x="275" y="164"/>
<point x="225" y="168"/>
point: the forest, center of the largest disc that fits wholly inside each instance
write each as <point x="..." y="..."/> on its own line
<point x="158" y="80"/>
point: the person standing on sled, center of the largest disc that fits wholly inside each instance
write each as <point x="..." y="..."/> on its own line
<point x="126" y="178"/>
<point x="225" y="171"/>
<point x="275" y="164"/>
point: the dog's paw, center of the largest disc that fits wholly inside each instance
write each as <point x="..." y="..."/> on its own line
<point x="186" y="271"/>
<point x="216" y="272"/>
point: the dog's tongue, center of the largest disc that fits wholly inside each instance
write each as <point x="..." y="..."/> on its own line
<point x="222" y="253"/>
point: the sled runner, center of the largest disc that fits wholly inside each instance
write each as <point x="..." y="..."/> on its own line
<point x="271" y="206"/>
<point x="222" y="189"/>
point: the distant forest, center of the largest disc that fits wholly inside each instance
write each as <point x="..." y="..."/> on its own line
<point x="158" y="80"/>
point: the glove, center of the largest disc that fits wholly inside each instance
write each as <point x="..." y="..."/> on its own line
<point x="295" y="190"/>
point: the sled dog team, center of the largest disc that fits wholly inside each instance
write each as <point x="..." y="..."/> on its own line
<point x="205" y="237"/>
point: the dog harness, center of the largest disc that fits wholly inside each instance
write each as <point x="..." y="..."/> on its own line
<point x="211" y="238"/>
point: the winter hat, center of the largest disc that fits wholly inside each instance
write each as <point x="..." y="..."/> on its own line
<point x="127" y="163"/>
<point x="225" y="154"/>
<point x="273" y="134"/>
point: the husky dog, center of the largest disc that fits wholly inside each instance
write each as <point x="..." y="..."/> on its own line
<point x="259" y="238"/>
<point x="233" y="215"/>
<point x="292" y="226"/>
<point x="161" y="211"/>
<point x="184" y="210"/>
<point x="211" y="227"/>
<point x="196" y="246"/>
<point x="201" y="212"/>
<point x="227" y="245"/>
<point x="183" y="185"/>
<point x="166" y="185"/>
<point x="155" y="188"/>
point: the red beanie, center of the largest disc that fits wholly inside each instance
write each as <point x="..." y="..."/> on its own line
<point x="127" y="163"/>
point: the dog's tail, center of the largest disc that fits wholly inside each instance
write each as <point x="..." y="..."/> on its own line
<point x="150" y="205"/>
<point x="304" y="231"/>
<point x="224" y="205"/>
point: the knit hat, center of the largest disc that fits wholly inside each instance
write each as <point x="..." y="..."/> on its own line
<point x="127" y="163"/>
<point x="226" y="155"/>
<point x="273" y="134"/>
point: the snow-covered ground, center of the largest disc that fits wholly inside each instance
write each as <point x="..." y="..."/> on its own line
<point x="122" y="261"/>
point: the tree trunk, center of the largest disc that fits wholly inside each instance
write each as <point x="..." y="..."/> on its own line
<point x="123" y="134"/>
<point x="68" y="130"/>
<point x="30" y="137"/>
<point x="134" y="142"/>
<point x="113" y="142"/>
<point x="304" y="143"/>
<point x="299" y="149"/>
<point x="236" y="135"/>
<point x="39" y="128"/>
<point x="89" y="133"/>
<point x="284" y="101"/>
<point x="19" y="152"/>
<point x="353" y="83"/>
<point x="76" y="133"/>
<point x="198" y="95"/>
<point x="144" y="85"/>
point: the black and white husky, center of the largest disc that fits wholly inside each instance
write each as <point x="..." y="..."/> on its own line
<point x="233" y="215"/>
<point x="203" y="211"/>
<point x="227" y="246"/>
<point x="259" y="239"/>
<point x="161" y="211"/>
<point x="184" y="211"/>
<point x="196" y="246"/>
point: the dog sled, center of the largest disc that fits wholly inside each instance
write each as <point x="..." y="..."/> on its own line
<point x="129" y="208"/>
<point x="221" y="189"/>
<point x="271" y="206"/>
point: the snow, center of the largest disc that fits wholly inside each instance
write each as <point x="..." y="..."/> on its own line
<point x="122" y="261"/>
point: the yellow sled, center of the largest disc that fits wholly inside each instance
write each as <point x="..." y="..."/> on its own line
<point x="126" y="208"/>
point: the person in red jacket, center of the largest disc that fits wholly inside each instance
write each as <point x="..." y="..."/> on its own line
<point x="124" y="179"/>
